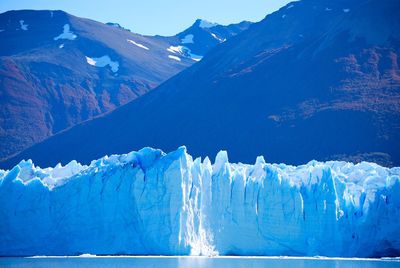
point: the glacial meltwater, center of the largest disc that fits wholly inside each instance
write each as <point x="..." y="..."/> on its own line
<point x="193" y="262"/>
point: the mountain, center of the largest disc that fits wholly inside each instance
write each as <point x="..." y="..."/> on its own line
<point x="204" y="35"/>
<point x="314" y="80"/>
<point x="57" y="70"/>
<point x="150" y="203"/>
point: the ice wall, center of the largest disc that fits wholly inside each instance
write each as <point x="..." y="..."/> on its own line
<point x="148" y="202"/>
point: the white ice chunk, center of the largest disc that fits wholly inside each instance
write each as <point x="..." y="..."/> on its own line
<point x="137" y="44"/>
<point x="103" y="62"/>
<point x="67" y="34"/>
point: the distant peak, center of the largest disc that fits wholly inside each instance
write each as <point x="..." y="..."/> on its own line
<point x="204" y="24"/>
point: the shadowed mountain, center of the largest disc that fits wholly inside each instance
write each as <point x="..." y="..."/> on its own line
<point x="314" y="80"/>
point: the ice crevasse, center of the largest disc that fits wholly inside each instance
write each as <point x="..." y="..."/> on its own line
<point x="149" y="202"/>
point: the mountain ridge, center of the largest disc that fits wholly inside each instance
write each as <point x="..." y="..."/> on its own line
<point x="297" y="86"/>
<point x="58" y="70"/>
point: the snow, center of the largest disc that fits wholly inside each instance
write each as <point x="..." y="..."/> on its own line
<point x="103" y="62"/>
<point x="176" y="49"/>
<point x="174" y="57"/>
<point x="61" y="46"/>
<point x="1" y="30"/>
<point x="67" y="34"/>
<point x="24" y="26"/>
<point x="188" y="39"/>
<point x="283" y="16"/>
<point x="328" y="9"/>
<point x="218" y="38"/>
<point x="185" y="52"/>
<point x="346" y="10"/>
<point x="206" y="24"/>
<point x="149" y="202"/>
<point x="137" y="44"/>
<point x="195" y="57"/>
<point x="291" y="6"/>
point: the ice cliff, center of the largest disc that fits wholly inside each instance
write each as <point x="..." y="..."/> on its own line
<point x="148" y="202"/>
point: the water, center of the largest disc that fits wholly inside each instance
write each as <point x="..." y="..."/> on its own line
<point x="191" y="262"/>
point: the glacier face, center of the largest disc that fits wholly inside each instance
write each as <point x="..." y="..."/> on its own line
<point x="148" y="202"/>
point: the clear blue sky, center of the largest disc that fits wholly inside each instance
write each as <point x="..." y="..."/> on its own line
<point x="165" y="17"/>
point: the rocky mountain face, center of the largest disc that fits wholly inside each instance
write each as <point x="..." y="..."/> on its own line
<point x="314" y="80"/>
<point x="57" y="70"/>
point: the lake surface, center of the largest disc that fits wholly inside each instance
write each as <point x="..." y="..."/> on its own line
<point x="191" y="262"/>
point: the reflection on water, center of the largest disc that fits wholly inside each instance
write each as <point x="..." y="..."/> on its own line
<point x="189" y="262"/>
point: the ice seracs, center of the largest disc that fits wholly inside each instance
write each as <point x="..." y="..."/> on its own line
<point x="149" y="202"/>
<point x="103" y="62"/>
<point x="66" y="34"/>
<point x="137" y="44"/>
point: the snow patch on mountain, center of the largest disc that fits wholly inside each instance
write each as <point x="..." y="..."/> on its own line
<point x="103" y="62"/>
<point x="66" y="34"/>
<point x="195" y="57"/>
<point x="188" y="39"/>
<point x="23" y="26"/>
<point x="61" y="46"/>
<point x="206" y="24"/>
<point x="346" y="10"/>
<point x="174" y="57"/>
<point x="185" y="52"/>
<point x="175" y="49"/>
<point x="137" y="44"/>
<point x="218" y="38"/>
<point x="149" y="202"/>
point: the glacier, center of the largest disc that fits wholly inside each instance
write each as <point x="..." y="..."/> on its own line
<point x="152" y="203"/>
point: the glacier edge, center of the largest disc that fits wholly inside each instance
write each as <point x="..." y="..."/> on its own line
<point x="152" y="203"/>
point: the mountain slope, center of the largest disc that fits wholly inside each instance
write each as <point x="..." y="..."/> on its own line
<point x="315" y="80"/>
<point x="57" y="70"/>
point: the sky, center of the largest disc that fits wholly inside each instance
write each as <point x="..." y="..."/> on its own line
<point x="163" y="17"/>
